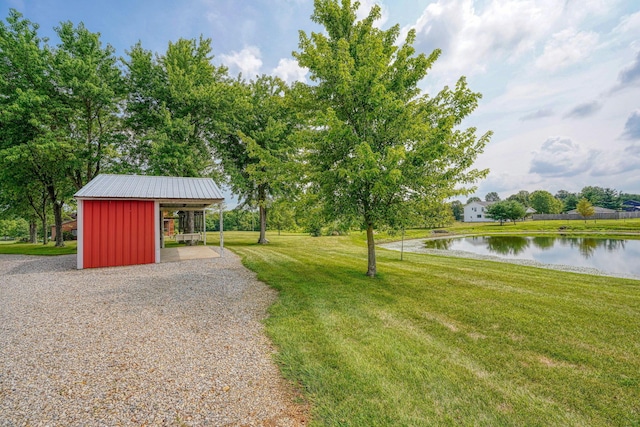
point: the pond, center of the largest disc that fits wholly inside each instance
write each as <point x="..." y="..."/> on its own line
<point x="617" y="256"/>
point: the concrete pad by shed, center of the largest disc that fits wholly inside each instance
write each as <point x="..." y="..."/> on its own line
<point x="187" y="252"/>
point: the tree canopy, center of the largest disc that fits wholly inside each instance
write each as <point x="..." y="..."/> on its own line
<point x="259" y="158"/>
<point x="360" y="146"/>
<point x="35" y="145"/>
<point x="378" y="143"/>
<point x="544" y="202"/>
<point x="585" y="208"/>
<point x="492" y="197"/>
<point x="177" y="106"/>
<point x="506" y="210"/>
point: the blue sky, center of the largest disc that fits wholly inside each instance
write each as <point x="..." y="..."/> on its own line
<point x="560" y="78"/>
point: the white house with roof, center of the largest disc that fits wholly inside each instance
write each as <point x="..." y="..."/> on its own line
<point x="476" y="212"/>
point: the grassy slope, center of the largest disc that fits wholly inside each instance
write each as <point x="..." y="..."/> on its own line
<point x="444" y="341"/>
<point x="599" y="226"/>
<point x="610" y="228"/>
<point x="38" y="249"/>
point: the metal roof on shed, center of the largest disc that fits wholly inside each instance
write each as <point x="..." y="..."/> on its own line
<point x="106" y="186"/>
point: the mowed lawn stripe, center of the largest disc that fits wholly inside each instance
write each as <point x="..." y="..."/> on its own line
<point x="448" y="341"/>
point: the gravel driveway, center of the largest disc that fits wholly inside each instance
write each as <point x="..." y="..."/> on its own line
<point x="161" y="344"/>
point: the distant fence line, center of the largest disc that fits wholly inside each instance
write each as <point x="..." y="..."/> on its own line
<point x="568" y="217"/>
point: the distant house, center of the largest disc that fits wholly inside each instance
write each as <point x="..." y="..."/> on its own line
<point x="71" y="225"/>
<point x="169" y="225"/>
<point x="597" y="210"/>
<point x="476" y="212"/>
<point x="631" y="206"/>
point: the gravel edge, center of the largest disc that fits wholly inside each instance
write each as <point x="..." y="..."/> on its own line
<point x="178" y="343"/>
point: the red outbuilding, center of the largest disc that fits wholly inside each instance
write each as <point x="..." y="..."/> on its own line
<point x="120" y="219"/>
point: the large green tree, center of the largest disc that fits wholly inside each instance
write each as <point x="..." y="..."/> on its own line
<point x="378" y="143"/>
<point x="179" y="107"/>
<point x="28" y="200"/>
<point x="35" y="146"/>
<point x="544" y="202"/>
<point x="91" y="82"/>
<point x="604" y="197"/>
<point x="521" y="197"/>
<point x="593" y="194"/>
<point x="260" y="160"/>
<point x="506" y="210"/>
<point x="173" y="106"/>
<point x="492" y="197"/>
<point x="569" y="200"/>
<point x="457" y="208"/>
<point x="611" y="199"/>
<point x="60" y="111"/>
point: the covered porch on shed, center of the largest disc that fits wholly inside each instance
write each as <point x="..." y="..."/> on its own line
<point x="121" y="218"/>
<point x="184" y="245"/>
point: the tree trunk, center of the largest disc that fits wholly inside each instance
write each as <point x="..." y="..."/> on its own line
<point x="263" y="226"/>
<point x="57" y="213"/>
<point x="33" y="231"/>
<point x="371" y="252"/>
<point x="45" y="234"/>
<point x="191" y="225"/>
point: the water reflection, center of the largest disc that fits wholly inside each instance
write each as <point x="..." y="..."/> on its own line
<point x="611" y="255"/>
<point x="444" y="244"/>
<point x="544" y="242"/>
<point x="507" y="245"/>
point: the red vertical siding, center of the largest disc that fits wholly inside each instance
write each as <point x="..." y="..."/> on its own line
<point x="119" y="208"/>
<point x="118" y="232"/>
<point x="126" y="225"/>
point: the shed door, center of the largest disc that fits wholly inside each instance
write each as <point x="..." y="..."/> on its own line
<point x="118" y="232"/>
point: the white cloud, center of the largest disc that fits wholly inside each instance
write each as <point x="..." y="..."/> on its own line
<point x="365" y="8"/>
<point x="566" y="47"/>
<point x="470" y="39"/>
<point x="289" y="70"/>
<point x="212" y="16"/>
<point x="628" y="25"/>
<point x="632" y="126"/>
<point x="474" y="33"/>
<point x="539" y="114"/>
<point x="615" y="162"/>
<point x="506" y="184"/>
<point x="247" y="61"/>
<point x="561" y="157"/>
<point x="629" y="76"/>
<point x="584" y="110"/>
<point x="576" y="11"/>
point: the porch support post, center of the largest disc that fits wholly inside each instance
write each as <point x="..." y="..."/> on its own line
<point x="221" y="232"/>
<point x="204" y="225"/>
<point x="159" y="228"/>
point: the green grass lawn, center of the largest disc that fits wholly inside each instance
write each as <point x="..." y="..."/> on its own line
<point x="435" y="340"/>
<point x="628" y="229"/>
<point x="598" y="226"/>
<point x="38" y="248"/>
<point x="447" y="341"/>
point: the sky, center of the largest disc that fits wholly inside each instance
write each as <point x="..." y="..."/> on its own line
<point x="560" y="78"/>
